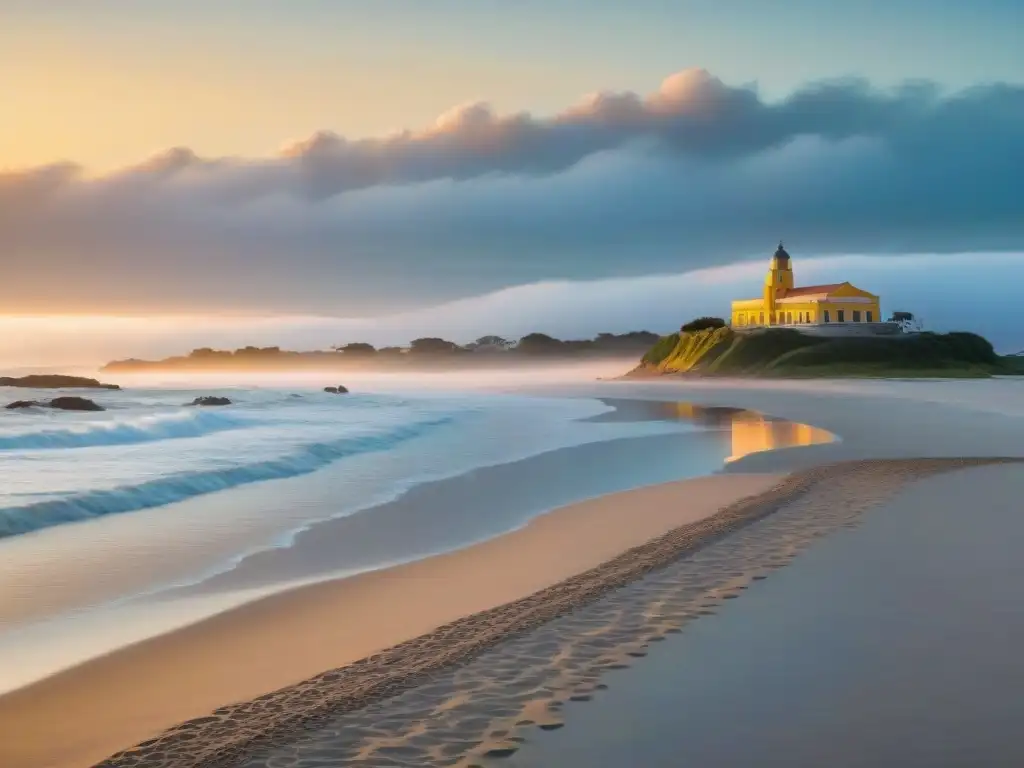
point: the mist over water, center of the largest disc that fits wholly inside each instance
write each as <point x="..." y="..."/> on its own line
<point x="409" y="382"/>
<point x="933" y="287"/>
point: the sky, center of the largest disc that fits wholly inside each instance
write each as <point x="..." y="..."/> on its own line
<point x="335" y="159"/>
<point x="108" y="82"/>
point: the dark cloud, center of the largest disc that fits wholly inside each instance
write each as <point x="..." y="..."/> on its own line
<point x="698" y="173"/>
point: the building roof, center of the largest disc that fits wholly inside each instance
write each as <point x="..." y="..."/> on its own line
<point x="780" y="259"/>
<point x="810" y="290"/>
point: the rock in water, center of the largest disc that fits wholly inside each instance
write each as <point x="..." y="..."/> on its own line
<point x="60" y="403"/>
<point x="331" y="390"/>
<point x="338" y="390"/>
<point x="342" y="390"/>
<point x="74" y="404"/>
<point x="210" y="400"/>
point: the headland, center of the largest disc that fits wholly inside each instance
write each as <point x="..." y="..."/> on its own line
<point x="830" y="330"/>
<point x="794" y="353"/>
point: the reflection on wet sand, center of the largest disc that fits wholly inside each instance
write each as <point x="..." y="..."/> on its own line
<point x="751" y="431"/>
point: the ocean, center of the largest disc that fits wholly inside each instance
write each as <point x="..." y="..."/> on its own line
<point x="121" y="524"/>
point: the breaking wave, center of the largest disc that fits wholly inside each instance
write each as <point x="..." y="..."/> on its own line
<point x="173" y="488"/>
<point x="144" y="429"/>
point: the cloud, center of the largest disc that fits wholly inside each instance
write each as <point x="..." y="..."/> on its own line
<point x="697" y="174"/>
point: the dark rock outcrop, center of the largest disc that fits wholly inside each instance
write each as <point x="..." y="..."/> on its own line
<point x="331" y="390"/>
<point x="210" y="400"/>
<point x="60" y="403"/>
<point x="74" y="404"/>
<point x="338" y="390"/>
<point x="53" y="381"/>
<point x="24" y="404"/>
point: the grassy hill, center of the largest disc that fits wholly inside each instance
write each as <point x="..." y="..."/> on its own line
<point x="785" y="352"/>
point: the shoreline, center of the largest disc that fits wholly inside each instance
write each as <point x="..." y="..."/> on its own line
<point x="427" y="519"/>
<point x="282" y="639"/>
<point x="232" y="731"/>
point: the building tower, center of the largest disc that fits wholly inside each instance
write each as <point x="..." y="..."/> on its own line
<point x="778" y="280"/>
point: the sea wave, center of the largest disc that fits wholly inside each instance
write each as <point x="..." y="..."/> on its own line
<point x="143" y="429"/>
<point x="179" y="487"/>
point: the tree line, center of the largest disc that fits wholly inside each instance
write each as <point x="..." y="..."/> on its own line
<point x="539" y="344"/>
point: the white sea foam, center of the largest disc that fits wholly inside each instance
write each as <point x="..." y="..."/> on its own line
<point x="180" y="486"/>
<point x="166" y="426"/>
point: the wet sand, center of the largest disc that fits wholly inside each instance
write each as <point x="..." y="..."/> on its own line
<point x="875" y="419"/>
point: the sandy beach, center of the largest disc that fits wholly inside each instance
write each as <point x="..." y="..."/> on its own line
<point x="321" y="660"/>
<point x="893" y="642"/>
<point x="287" y="638"/>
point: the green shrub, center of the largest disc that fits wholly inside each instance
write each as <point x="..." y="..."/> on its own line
<point x="703" y="324"/>
<point x="972" y="347"/>
<point x="923" y="351"/>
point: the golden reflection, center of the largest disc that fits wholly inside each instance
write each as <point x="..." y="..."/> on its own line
<point x="751" y="431"/>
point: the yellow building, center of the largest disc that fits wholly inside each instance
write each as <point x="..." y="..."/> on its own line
<point x="784" y="304"/>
